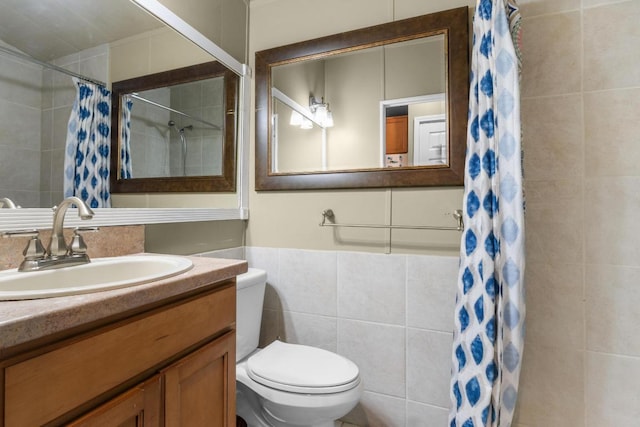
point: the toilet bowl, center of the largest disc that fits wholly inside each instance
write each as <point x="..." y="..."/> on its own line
<point x="298" y="385"/>
<point x="284" y="384"/>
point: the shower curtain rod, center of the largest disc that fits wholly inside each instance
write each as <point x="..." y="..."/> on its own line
<point x="328" y="214"/>
<point x="50" y="66"/>
<point x="140" y="98"/>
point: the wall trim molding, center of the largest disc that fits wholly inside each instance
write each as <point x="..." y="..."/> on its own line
<point x="27" y="218"/>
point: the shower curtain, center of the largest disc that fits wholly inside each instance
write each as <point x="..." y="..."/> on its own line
<point x="490" y="309"/>
<point x="126" y="171"/>
<point x="86" y="162"/>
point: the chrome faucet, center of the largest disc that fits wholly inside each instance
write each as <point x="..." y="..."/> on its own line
<point x="57" y="254"/>
<point x="6" y="202"/>
<point x="57" y="246"/>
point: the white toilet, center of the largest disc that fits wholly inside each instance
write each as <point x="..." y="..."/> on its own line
<point x="285" y="385"/>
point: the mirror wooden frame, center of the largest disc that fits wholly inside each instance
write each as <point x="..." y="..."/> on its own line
<point x="213" y="183"/>
<point x="454" y="24"/>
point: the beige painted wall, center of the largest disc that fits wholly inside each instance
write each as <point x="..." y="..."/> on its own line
<point x="354" y="141"/>
<point x="425" y="76"/>
<point x="193" y="237"/>
<point x="290" y="219"/>
<point x="222" y="21"/>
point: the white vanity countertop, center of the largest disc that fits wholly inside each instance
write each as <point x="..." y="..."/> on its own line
<point x="29" y="320"/>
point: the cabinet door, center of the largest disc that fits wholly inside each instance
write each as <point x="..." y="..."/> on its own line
<point x="397" y="134"/>
<point x="200" y="388"/>
<point x="138" y="407"/>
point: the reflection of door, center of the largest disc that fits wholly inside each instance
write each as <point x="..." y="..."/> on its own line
<point x="430" y="140"/>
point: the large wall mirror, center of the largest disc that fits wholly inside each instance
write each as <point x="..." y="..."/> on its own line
<point x="175" y="131"/>
<point x="384" y="106"/>
<point x="107" y="41"/>
<point x="95" y="39"/>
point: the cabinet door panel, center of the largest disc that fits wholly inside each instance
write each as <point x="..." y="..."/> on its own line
<point x="397" y="135"/>
<point x="200" y="388"/>
<point x="138" y="407"/>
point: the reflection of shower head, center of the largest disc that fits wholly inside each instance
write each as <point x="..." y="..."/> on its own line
<point x="172" y="124"/>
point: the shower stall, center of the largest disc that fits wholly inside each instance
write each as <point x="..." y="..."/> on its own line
<point x="174" y="131"/>
<point x="183" y="143"/>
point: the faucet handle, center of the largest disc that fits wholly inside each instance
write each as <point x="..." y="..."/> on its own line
<point x="20" y="233"/>
<point x="78" y="246"/>
<point x="78" y="230"/>
<point x="34" y="250"/>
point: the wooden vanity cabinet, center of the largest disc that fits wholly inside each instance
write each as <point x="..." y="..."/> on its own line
<point x="171" y="366"/>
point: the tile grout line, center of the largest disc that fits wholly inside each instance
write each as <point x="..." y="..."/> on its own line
<point x="584" y="210"/>
<point x="406" y="340"/>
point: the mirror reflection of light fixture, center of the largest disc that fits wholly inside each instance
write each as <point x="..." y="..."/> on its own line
<point x="321" y="112"/>
<point x="306" y="124"/>
<point x="328" y="122"/>
<point x="317" y="114"/>
<point x="296" y="118"/>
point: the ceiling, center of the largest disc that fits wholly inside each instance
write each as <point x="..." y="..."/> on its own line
<point x="49" y="29"/>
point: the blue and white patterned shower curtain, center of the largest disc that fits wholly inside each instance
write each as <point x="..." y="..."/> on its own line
<point x="86" y="162"/>
<point x="490" y="307"/>
<point x="126" y="171"/>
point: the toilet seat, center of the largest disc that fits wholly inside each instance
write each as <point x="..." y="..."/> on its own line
<point x="302" y="369"/>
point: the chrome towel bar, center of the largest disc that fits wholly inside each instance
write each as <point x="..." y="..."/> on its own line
<point x="328" y="215"/>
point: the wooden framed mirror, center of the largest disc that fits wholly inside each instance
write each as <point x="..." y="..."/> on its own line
<point x="341" y="111"/>
<point x="175" y="131"/>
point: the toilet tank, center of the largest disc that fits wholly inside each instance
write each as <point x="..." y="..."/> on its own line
<point x="250" y="297"/>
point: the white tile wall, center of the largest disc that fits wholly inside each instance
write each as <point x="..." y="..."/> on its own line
<point x="379" y="410"/>
<point x="311" y="329"/>
<point x="379" y="350"/>
<point x="419" y="414"/>
<point x="307" y="281"/>
<point x="20" y="117"/>
<point x="429" y="366"/>
<point x="372" y="287"/>
<point x="431" y="282"/>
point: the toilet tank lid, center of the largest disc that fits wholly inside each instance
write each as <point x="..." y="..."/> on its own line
<point x="301" y="366"/>
<point x="252" y="277"/>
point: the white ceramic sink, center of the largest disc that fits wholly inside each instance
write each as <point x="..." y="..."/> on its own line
<point x="99" y="275"/>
